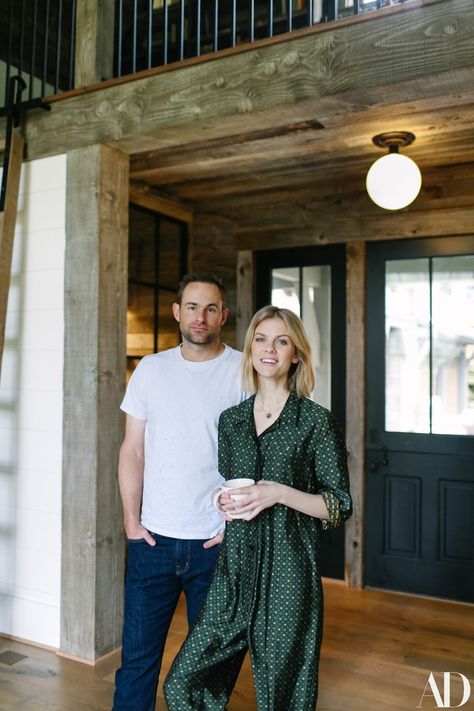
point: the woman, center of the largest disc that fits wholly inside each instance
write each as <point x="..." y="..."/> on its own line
<point x="266" y="594"/>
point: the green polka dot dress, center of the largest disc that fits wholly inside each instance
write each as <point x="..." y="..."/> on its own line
<point x="266" y="595"/>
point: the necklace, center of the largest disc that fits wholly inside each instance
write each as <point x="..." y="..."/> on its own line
<point x="273" y="407"/>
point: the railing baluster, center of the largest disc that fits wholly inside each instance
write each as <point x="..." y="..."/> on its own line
<point x="356" y="7"/>
<point x="181" y="29"/>
<point x="234" y="22"/>
<point x="150" y="34"/>
<point x="309" y="12"/>
<point x="134" y="36"/>
<point x="165" y="31"/>
<point x="119" y="35"/>
<point x="198" y="28"/>
<point x="270" y="18"/>
<point x="33" y="49"/>
<point x="289" y="15"/>
<point x="216" y="25"/>
<point x="251" y="20"/>
<point x="45" y="49"/>
<point x="72" y="45"/>
<point x="22" y="37"/>
<point x="58" y="45"/>
<point x="9" y="50"/>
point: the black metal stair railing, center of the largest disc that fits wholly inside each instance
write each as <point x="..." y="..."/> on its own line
<point x="151" y="33"/>
<point x="37" y="44"/>
<point x="37" y="37"/>
<point x="16" y="86"/>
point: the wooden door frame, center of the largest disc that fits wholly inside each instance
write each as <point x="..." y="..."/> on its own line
<point x="355" y="387"/>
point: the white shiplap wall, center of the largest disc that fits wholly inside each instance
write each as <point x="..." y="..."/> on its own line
<point x="31" y="397"/>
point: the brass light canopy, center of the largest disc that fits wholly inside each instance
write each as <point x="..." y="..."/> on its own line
<point x="394" y="180"/>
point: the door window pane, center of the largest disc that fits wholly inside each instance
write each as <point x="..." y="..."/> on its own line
<point x="453" y="345"/>
<point x="407" y="345"/>
<point x="429" y="351"/>
<point x="286" y="289"/>
<point x="314" y="308"/>
<point x="140" y="319"/>
<point x="317" y="321"/>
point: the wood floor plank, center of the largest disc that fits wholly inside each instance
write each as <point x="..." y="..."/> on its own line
<point x="377" y="653"/>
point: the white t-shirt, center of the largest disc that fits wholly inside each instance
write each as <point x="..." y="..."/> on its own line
<point x="181" y="401"/>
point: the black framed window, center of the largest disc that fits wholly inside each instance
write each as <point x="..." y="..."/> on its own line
<point x="157" y="261"/>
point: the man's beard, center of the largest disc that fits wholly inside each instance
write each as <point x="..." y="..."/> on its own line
<point x="202" y="339"/>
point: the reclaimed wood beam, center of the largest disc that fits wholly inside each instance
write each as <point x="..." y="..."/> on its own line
<point x="420" y="52"/>
<point x="431" y="126"/>
<point x="442" y="223"/>
<point x="143" y="196"/>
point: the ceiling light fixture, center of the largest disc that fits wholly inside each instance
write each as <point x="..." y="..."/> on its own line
<point x="394" y="180"/>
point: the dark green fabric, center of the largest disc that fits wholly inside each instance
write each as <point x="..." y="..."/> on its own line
<point x="266" y="593"/>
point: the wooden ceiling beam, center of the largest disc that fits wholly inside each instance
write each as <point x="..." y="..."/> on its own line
<point x="143" y="196"/>
<point x="356" y="131"/>
<point x="379" y="226"/>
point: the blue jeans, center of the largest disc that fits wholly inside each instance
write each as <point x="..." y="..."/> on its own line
<point x="155" y="577"/>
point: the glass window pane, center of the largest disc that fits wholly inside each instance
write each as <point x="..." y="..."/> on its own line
<point x="141" y="252"/>
<point x="168" y="334"/>
<point x="286" y="289"/>
<point x="140" y="320"/>
<point x="407" y="345"/>
<point x="453" y="345"/>
<point x="169" y="253"/>
<point x="317" y="321"/>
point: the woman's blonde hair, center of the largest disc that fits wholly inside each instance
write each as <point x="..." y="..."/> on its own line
<point x="301" y="374"/>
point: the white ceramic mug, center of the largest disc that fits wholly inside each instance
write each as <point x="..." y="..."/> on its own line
<point x="228" y="487"/>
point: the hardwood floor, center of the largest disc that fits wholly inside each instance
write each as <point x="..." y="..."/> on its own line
<point x="378" y="651"/>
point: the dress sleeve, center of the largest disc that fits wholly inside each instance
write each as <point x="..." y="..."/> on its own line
<point x="331" y="472"/>
<point x="223" y="448"/>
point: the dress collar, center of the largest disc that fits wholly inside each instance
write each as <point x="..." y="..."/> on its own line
<point x="288" y="416"/>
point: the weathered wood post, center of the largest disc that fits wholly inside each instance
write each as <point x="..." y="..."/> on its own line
<point x="94" y="378"/>
<point x="355" y="411"/>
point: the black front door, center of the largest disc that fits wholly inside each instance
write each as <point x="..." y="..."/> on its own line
<point x="311" y="282"/>
<point x="420" y="417"/>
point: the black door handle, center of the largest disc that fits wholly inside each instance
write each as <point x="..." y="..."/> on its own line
<point x="375" y="464"/>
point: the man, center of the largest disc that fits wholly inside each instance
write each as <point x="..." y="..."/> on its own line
<point x="167" y="469"/>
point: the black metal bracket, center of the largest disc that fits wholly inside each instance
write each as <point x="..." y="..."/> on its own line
<point x="16" y="86"/>
<point x="14" y="108"/>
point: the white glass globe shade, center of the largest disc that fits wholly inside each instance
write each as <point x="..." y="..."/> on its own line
<point x="393" y="181"/>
